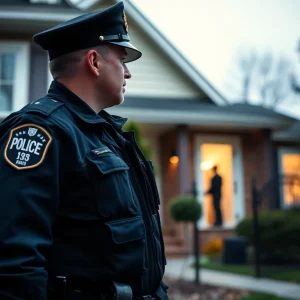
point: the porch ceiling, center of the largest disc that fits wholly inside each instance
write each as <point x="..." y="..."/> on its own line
<point x="197" y="113"/>
<point x="150" y="129"/>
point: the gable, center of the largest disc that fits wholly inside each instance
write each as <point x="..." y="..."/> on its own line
<point x="147" y="28"/>
<point x="155" y="74"/>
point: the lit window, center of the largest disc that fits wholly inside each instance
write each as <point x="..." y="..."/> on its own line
<point x="290" y="170"/>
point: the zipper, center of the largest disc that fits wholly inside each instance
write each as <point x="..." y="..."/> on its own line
<point x="150" y="193"/>
<point x="151" y="208"/>
<point x="150" y="226"/>
<point x="157" y="216"/>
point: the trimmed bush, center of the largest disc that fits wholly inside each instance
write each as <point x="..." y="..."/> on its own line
<point x="279" y="235"/>
<point x="185" y="209"/>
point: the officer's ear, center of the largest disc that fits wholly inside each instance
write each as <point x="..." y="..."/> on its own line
<point x="94" y="61"/>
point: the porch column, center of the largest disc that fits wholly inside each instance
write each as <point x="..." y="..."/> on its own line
<point x="271" y="171"/>
<point x="183" y="154"/>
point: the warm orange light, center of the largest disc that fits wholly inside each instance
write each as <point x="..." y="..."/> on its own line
<point x="206" y="165"/>
<point x="174" y="159"/>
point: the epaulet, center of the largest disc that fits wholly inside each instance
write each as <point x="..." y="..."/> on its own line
<point x="45" y="106"/>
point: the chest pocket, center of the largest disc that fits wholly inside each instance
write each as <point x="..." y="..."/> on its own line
<point x="112" y="186"/>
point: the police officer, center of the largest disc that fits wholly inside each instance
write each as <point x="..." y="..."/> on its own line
<point x="79" y="204"/>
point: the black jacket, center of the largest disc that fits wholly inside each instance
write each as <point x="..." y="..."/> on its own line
<point x="78" y="198"/>
<point x="216" y="185"/>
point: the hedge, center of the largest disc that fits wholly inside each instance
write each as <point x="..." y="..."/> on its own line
<point x="279" y="235"/>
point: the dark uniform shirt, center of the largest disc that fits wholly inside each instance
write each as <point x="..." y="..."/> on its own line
<point x="78" y="199"/>
<point x="216" y="185"/>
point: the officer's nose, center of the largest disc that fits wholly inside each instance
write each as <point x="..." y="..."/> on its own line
<point x="127" y="74"/>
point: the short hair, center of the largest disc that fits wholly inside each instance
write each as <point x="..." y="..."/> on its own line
<point x="67" y="65"/>
<point x="215" y="168"/>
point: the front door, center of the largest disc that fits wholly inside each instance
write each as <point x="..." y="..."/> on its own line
<point x="224" y="153"/>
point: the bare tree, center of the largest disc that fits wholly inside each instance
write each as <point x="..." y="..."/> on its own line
<point x="275" y="87"/>
<point x="266" y="76"/>
<point x="294" y="84"/>
<point x="280" y="86"/>
<point x="246" y="64"/>
<point x="264" y="68"/>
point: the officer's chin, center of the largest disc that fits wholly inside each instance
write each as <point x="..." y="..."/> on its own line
<point x="118" y="99"/>
<point x="122" y="100"/>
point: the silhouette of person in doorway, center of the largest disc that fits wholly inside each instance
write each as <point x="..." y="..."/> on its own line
<point x="215" y="191"/>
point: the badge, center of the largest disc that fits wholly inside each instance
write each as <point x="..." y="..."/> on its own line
<point x="125" y="21"/>
<point x="27" y="146"/>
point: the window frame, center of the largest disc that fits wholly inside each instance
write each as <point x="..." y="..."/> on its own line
<point x="281" y="151"/>
<point x="21" y="84"/>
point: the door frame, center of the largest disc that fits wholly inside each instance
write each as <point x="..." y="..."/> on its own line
<point x="238" y="175"/>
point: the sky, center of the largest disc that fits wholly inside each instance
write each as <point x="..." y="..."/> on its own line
<point x="211" y="33"/>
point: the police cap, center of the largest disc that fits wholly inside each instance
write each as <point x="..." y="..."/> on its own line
<point x="89" y="30"/>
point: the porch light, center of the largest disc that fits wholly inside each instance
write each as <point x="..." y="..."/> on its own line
<point x="206" y="165"/>
<point x="174" y="159"/>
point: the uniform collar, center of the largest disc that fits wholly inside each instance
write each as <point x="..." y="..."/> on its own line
<point x="116" y="121"/>
<point x="60" y="92"/>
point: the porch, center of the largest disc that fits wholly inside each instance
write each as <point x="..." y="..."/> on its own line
<point x="238" y="154"/>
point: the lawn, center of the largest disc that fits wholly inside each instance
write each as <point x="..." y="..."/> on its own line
<point x="275" y="272"/>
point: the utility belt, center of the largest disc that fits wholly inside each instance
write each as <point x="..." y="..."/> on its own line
<point x="64" y="289"/>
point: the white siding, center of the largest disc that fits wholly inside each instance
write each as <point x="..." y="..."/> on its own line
<point x="155" y="74"/>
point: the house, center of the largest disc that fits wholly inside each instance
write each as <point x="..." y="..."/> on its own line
<point x="180" y="112"/>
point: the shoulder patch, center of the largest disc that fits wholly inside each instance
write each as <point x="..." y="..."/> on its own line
<point x="27" y="146"/>
<point x="45" y="105"/>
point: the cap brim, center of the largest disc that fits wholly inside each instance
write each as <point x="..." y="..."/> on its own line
<point x="132" y="53"/>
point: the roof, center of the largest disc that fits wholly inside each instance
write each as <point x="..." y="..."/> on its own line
<point x="163" y="43"/>
<point x="61" y="4"/>
<point x="186" y="105"/>
<point x="192" y="112"/>
<point x="20" y="17"/>
<point x="292" y="134"/>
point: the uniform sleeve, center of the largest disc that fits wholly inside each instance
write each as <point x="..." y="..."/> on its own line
<point x="29" y="187"/>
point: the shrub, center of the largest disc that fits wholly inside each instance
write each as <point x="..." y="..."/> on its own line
<point x="185" y="208"/>
<point x="279" y="235"/>
<point x="141" y="141"/>
<point x="214" y="246"/>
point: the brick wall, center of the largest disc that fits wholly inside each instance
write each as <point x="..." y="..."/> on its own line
<point x="254" y="163"/>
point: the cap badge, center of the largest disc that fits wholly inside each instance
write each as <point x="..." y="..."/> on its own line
<point x="125" y="21"/>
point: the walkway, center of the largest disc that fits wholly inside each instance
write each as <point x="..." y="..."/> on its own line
<point x="178" y="268"/>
